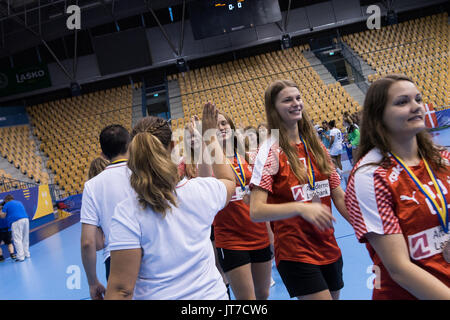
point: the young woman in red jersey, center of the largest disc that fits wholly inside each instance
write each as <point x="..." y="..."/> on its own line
<point x="292" y="185"/>
<point x="243" y="246"/>
<point x="398" y="194"/>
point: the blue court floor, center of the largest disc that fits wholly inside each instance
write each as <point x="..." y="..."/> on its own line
<point x="55" y="270"/>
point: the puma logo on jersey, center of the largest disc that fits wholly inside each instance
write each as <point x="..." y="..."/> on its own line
<point x="405" y="198"/>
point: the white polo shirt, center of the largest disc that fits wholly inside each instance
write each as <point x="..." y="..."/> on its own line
<point x="336" y="147"/>
<point x="101" y="194"/>
<point x="178" y="257"/>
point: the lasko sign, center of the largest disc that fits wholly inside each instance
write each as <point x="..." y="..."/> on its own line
<point x="19" y="80"/>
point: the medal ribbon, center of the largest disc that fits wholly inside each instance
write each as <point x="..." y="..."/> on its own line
<point x="310" y="172"/>
<point x="241" y="177"/>
<point x="119" y="160"/>
<point x="442" y="212"/>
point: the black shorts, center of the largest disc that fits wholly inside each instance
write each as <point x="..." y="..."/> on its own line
<point x="230" y="259"/>
<point x="212" y="234"/>
<point x="5" y="236"/>
<point x="303" y="278"/>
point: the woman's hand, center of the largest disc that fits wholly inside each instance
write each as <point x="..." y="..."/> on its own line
<point x="209" y="117"/>
<point x="318" y="215"/>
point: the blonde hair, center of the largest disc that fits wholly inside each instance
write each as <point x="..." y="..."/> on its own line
<point x="154" y="176"/>
<point x="191" y="170"/>
<point x="238" y="144"/>
<point x="305" y="130"/>
<point x="97" y="165"/>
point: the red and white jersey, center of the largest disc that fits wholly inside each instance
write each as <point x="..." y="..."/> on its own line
<point x="295" y="239"/>
<point x="387" y="201"/>
<point x="233" y="228"/>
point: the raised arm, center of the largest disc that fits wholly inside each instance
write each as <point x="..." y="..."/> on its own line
<point x="213" y="153"/>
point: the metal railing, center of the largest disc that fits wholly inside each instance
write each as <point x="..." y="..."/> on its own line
<point x="355" y="64"/>
<point x="10" y="184"/>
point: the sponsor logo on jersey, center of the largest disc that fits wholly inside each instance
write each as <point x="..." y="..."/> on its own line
<point x="427" y="243"/>
<point x="303" y="192"/>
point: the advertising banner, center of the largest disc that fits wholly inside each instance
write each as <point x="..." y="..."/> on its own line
<point x="19" y="80"/>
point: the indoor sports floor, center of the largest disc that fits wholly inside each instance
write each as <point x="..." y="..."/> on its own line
<point x="55" y="270"/>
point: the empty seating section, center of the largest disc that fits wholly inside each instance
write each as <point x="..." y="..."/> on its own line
<point x="20" y="150"/>
<point x="69" y="130"/>
<point x="418" y="48"/>
<point x="237" y="88"/>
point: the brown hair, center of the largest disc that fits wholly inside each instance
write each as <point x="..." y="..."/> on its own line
<point x="305" y="129"/>
<point x="247" y="139"/>
<point x="373" y="132"/>
<point x="238" y="144"/>
<point x="8" y="198"/>
<point x="97" y="166"/>
<point x="154" y="175"/>
<point x="191" y="170"/>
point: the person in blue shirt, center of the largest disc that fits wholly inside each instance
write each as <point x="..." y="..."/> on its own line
<point x="6" y="238"/>
<point x="17" y="218"/>
<point x="325" y="134"/>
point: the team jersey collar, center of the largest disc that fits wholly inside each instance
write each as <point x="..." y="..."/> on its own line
<point x="118" y="161"/>
<point x="442" y="211"/>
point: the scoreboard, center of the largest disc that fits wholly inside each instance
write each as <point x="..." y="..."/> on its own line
<point x="230" y="4"/>
<point x="234" y="14"/>
<point x="214" y="17"/>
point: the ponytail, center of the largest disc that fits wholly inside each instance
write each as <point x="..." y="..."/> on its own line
<point x="154" y="175"/>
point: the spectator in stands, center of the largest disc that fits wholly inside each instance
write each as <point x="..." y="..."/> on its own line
<point x="243" y="246"/>
<point x="325" y="135"/>
<point x="353" y="139"/>
<point x="397" y="194"/>
<point x="160" y="246"/>
<point x="17" y="218"/>
<point x="356" y="118"/>
<point x="336" y="146"/>
<point x="286" y="179"/>
<point x="100" y="196"/>
<point x="6" y="238"/>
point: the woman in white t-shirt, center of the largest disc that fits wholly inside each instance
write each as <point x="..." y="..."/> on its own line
<point x="160" y="245"/>
<point x="335" y="145"/>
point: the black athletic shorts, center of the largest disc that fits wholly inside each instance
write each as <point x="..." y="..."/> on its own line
<point x="212" y="234"/>
<point x="5" y="236"/>
<point x="230" y="259"/>
<point x="303" y="278"/>
<point x="107" y="267"/>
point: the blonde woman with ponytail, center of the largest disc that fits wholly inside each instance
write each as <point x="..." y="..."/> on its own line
<point x="292" y="185"/>
<point x="160" y="246"/>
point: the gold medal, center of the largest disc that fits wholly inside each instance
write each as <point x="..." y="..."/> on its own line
<point x="446" y="251"/>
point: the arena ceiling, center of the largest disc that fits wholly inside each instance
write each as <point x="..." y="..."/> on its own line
<point x="25" y="24"/>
